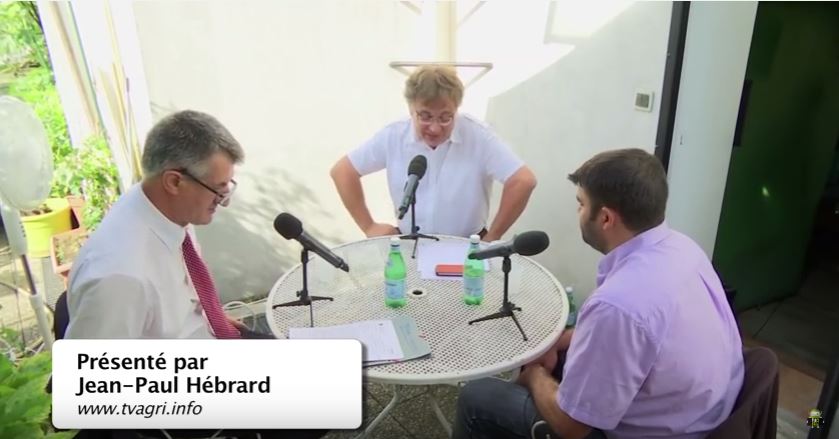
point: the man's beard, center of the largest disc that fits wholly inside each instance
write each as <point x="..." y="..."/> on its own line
<point x="590" y="237"/>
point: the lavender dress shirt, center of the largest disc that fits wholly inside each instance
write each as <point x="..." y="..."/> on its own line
<point x="656" y="352"/>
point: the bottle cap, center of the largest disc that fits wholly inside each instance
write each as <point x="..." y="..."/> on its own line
<point x="474" y="239"/>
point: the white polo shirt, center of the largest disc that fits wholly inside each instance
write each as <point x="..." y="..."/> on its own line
<point x="453" y="196"/>
<point x="130" y="281"/>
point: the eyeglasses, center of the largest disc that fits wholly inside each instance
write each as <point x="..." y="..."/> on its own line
<point x="426" y="118"/>
<point x="222" y="198"/>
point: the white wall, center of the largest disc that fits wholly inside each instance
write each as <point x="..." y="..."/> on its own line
<point x="560" y="94"/>
<point x="299" y="83"/>
<point x="719" y="36"/>
<point x="302" y="82"/>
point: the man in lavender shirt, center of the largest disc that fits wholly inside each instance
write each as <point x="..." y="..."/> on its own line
<point x="656" y="352"/>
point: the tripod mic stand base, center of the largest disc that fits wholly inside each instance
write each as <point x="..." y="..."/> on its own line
<point x="304" y="300"/>
<point x="507" y="310"/>
<point x="416" y="237"/>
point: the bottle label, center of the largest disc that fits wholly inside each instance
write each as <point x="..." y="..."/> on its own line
<point x="395" y="288"/>
<point x="473" y="286"/>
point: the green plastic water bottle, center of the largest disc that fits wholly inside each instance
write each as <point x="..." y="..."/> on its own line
<point x="572" y="308"/>
<point x="395" y="274"/>
<point x="473" y="275"/>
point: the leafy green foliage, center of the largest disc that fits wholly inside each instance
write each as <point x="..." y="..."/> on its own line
<point x="24" y="403"/>
<point x="10" y="339"/>
<point x="21" y="37"/>
<point x="88" y="171"/>
<point x="35" y="87"/>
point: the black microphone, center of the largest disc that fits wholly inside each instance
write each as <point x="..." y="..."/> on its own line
<point x="416" y="170"/>
<point x="290" y="227"/>
<point x="525" y="244"/>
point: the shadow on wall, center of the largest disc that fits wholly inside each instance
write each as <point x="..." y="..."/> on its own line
<point x="581" y="105"/>
<point x="245" y="254"/>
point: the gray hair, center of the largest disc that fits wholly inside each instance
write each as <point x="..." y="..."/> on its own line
<point x="431" y="82"/>
<point x="186" y="140"/>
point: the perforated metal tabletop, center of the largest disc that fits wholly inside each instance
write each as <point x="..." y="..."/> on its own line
<point x="459" y="351"/>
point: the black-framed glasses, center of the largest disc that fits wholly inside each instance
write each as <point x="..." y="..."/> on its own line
<point x="222" y="198"/>
<point x="426" y="118"/>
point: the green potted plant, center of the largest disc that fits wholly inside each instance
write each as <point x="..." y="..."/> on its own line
<point x="85" y="175"/>
<point x="91" y="172"/>
<point x="35" y="87"/>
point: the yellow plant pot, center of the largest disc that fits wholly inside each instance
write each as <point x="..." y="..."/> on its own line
<point x="40" y="228"/>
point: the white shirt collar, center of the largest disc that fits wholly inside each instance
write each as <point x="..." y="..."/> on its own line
<point x="170" y="233"/>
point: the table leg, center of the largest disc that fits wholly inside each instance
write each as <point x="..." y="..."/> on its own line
<point x="393" y="401"/>
<point x="440" y="417"/>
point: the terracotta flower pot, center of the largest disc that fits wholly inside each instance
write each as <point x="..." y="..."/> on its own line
<point x="77" y="208"/>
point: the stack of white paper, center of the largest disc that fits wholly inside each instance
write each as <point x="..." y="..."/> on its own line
<point x="378" y="337"/>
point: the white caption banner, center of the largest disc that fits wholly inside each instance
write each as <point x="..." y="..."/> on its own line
<point x="196" y="384"/>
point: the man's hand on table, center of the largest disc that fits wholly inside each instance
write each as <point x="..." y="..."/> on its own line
<point x="380" y="229"/>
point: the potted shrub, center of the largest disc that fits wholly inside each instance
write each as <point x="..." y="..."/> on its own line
<point x="86" y="173"/>
<point x="88" y="177"/>
<point x="90" y="171"/>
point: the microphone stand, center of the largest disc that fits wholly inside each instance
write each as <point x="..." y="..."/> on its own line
<point x="415" y="235"/>
<point x="507" y="307"/>
<point x="304" y="297"/>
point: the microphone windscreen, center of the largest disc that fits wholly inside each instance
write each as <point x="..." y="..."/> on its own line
<point x="418" y="166"/>
<point x="288" y="225"/>
<point x="531" y="243"/>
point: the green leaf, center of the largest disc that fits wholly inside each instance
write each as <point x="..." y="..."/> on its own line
<point x="6" y="369"/>
<point x="21" y="430"/>
<point x="61" y="435"/>
<point x="30" y="402"/>
<point x="35" y="369"/>
<point x="5" y="392"/>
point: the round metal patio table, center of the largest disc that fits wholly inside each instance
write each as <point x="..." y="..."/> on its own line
<point x="459" y="351"/>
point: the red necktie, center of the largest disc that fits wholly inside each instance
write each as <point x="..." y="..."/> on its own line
<point x="203" y="282"/>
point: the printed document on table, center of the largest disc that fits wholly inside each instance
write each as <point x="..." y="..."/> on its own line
<point x="378" y="337"/>
<point x="412" y="341"/>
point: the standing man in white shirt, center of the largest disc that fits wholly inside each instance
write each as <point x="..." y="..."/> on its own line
<point x="464" y="157"/>
<point x="140" y="275"/>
